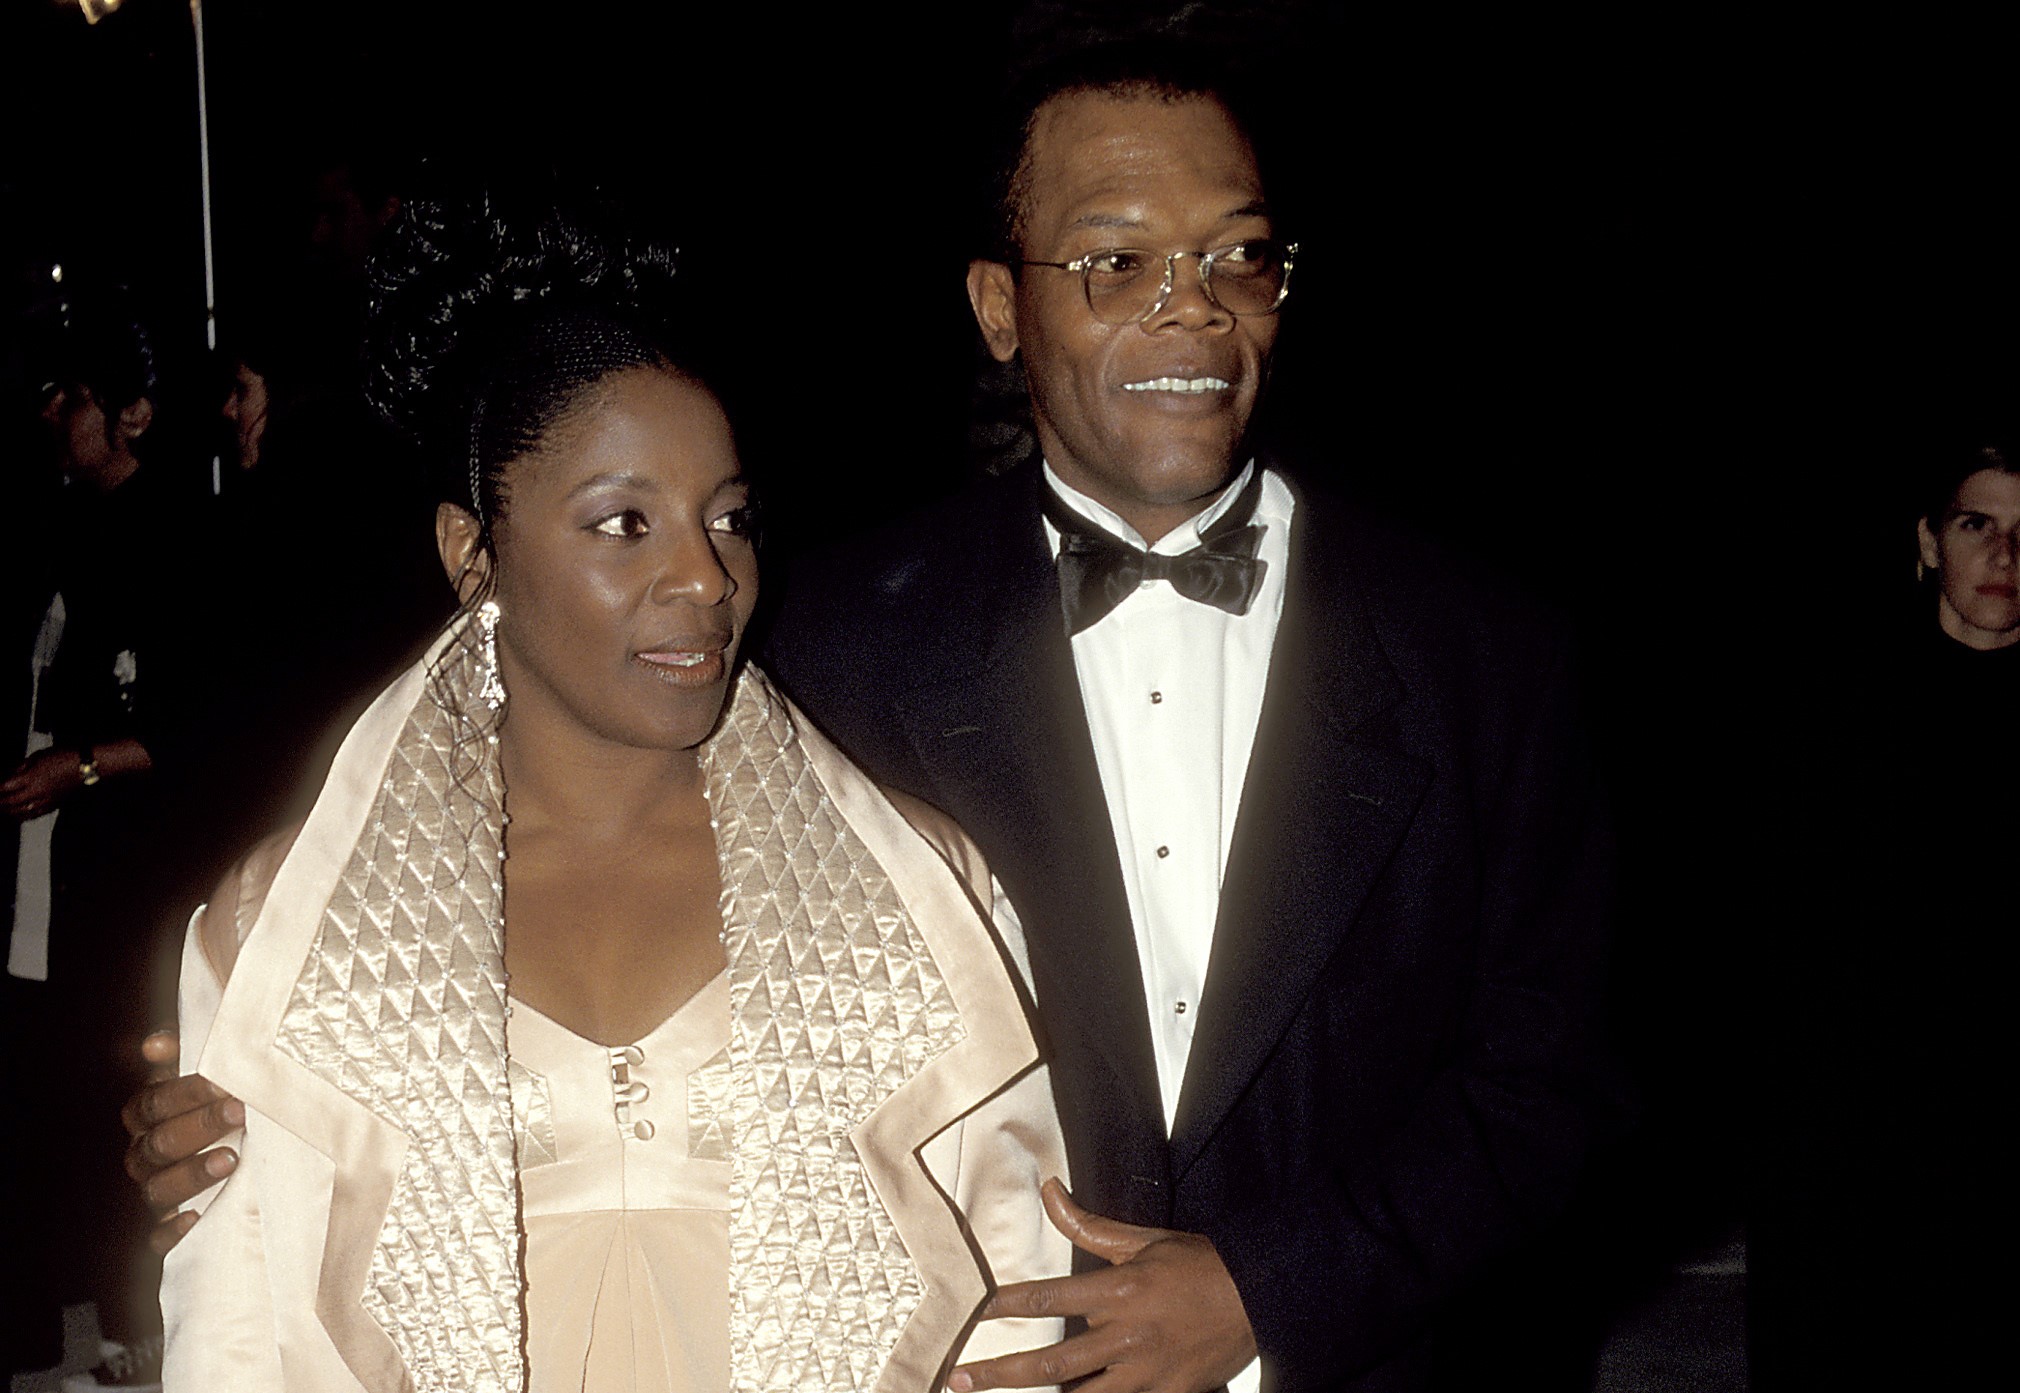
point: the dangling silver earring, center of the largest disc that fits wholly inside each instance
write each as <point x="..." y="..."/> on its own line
<point x="490" y="689"/>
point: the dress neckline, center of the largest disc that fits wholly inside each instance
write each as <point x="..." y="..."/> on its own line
<point x="716" y="985"/>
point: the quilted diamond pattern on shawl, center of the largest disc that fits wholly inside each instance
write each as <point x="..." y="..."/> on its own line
<point x="707" y="1090"/>
<point x="402" y="1005"/>
<point x="835" y="1001"/>
<point x="532" y="1116"/>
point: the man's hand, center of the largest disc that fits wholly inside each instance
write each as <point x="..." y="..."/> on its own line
<point x="1165" y="1318"/>
<point x="39" y="783"/>
<point x="171" y="1121"/>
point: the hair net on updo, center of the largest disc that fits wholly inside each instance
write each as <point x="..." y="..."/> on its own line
<point x="493" y="311"/>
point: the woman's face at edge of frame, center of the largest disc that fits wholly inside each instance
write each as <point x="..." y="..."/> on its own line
<point x="1975" y="550"/>
<point x="626" y="573"/>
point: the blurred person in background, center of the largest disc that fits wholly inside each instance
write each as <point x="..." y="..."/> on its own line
<point x="111" y="670"/>
<point x="1969" y="539"/>
<point x="299" y="446"/>
<point x="1888" y="1179"/>
<point x="245" y="410"/>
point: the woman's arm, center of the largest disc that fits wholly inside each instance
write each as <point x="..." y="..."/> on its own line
<point x="216" y="1300"/>
<point x="177" y="1123"/>
<point x="999" y="1157"/>
<point x="1007" y="1149"/>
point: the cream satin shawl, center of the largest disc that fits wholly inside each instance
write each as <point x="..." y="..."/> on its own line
<point x="370" y="1237"/>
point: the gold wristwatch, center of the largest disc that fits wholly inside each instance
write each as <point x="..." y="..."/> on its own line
<point x="87" y="767"/>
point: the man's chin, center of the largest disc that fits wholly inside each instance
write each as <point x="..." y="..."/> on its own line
<point x="1156" y="495"/>
<point x="1189" y="478"/>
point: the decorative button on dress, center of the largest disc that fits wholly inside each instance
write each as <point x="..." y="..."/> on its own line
<point x="624" y="1186"/>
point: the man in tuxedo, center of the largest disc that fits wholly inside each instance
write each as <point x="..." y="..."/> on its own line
<point x="1293" y="813"/>
<point x="1295" y="816"/>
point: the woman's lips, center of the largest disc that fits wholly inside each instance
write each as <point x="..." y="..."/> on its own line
<point x="685" y="667"/>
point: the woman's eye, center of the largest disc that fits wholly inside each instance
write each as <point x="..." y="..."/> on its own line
<point x="629" y="523"/>
<point x="735" y="523"/>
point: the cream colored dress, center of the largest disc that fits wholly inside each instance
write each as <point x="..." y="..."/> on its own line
<point x="624" y="1188"/>
<point x="421" y="1207"/>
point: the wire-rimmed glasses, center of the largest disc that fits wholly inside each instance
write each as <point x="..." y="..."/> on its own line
<point x="1243" y="278"/>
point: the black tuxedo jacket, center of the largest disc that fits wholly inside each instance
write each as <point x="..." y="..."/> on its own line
<point x="1392" y="1077"/>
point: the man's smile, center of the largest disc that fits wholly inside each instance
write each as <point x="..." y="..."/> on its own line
<point x="1190" y="386"/>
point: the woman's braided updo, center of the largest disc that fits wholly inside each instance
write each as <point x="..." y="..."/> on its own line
<point x="493" y="314"/>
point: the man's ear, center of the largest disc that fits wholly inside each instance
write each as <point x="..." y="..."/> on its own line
<point x="467" y="565"/>
<point x="1932" y="555"/>
<point x="135" y="419"/>
<point x="992" y="294"/>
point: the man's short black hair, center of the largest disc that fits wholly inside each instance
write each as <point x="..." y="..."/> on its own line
<point x="1160" y="68"/>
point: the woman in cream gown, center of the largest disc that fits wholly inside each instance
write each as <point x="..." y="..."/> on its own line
<point x="759" y="1107"/>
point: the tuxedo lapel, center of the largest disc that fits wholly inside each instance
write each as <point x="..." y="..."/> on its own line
<point x="1004" y="735"/>
<point x="1328" y="796"/>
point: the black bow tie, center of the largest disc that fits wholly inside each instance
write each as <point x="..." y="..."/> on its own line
<point x="1097" y="571"/>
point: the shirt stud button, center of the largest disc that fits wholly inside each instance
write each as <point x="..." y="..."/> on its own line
<point x="1179" y="1009"/>
<point x="642" y="1130"/>
<point x="1156" y="698"/>
<point x="1163" y="852"/>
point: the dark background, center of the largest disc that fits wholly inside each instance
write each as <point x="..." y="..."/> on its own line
<point x="1577" y="294"/>
<point x="1656" y="315"/>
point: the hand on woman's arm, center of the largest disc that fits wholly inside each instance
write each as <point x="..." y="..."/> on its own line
<point x="177" y="1122"/>
<point x="172" y="1120"/>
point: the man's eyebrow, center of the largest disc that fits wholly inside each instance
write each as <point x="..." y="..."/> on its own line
<point x="1254" y="208"/>
<point x="1105" y="220"/>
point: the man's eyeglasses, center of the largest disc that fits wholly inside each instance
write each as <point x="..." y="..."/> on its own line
<point x="1123" y="286"/>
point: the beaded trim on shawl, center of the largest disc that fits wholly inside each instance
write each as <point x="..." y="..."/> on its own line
<point x="401" y="1004"/>
<point x="835" y="1001"/>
